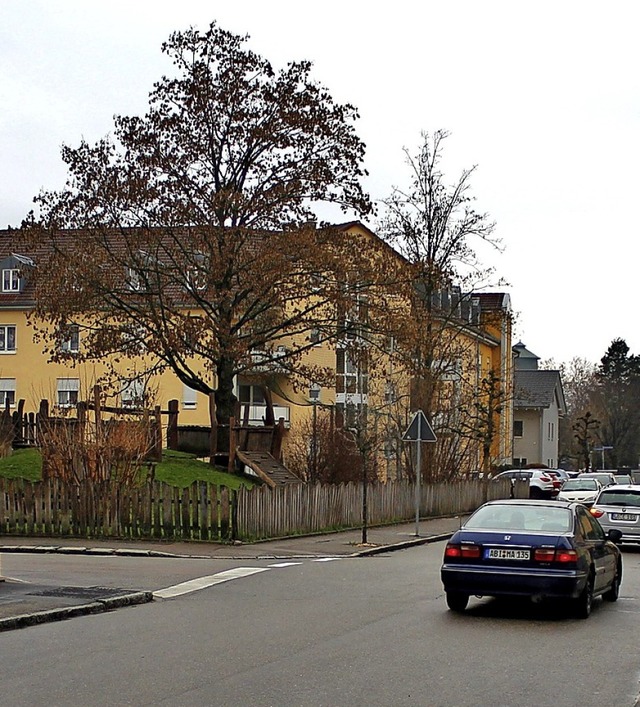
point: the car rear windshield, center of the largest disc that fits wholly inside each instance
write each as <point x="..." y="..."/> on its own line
<point x="602" y="478"/>
<point x="515" y="517"/>
<point x="580" y="485"/>
<point x="623" y="497"/>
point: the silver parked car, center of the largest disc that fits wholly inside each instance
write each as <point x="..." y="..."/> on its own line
<point x="618" y="507"/>
<point x="581" y="490"/>
<point x="606" y="478"/>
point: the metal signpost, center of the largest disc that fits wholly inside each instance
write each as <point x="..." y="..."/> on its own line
<point x="419" y="430"/>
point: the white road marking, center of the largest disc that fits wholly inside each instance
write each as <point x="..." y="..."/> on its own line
<point x="326" y="559"/>
<point x="194" y="585"/>
<point x="286" y="564"/>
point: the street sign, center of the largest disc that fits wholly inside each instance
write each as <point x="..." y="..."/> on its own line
<point x="419" y="429"/>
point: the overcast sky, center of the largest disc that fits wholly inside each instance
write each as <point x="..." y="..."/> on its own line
<point x="543" y="97"/>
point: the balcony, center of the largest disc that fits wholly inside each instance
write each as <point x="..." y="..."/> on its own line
<point x="257" y="414"/>
<point x="263" y="361"/>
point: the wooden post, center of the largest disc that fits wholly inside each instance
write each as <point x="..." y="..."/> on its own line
<point x="269" y="417"/>
<point x="41" y="420"/>
<point x="157" y="435"/>
<point x="213" y="439"/>
<point x="97" y="407"/>
<point x="276" y="444"/>
<point x="233" y="444"/>
<point x="172" y="425"/>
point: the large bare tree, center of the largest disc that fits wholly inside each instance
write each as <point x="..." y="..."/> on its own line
<point x="434" y="225"/>
<point x="187" y="236"/>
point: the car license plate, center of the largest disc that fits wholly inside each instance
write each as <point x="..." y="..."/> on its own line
<point x="624" y="516"/>
<point x="504" y="553"/>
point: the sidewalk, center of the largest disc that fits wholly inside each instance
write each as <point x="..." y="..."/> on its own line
<point x="22" y="605"/>
<point x="342" y="543"/>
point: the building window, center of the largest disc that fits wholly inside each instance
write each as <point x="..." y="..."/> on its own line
<point x="519" y="463"/>
<point x="390" y="448"/>
<point x="132" y="394"/>
<point x="7" y="392"/>
<point x="551" y="431"/>
<point x="68" y="389"/>
<point x="189" y="398"/>
<point x="518" y="426"/>
<point x="7" y="339"/>
<point x="314" y="337"/>
<point x="133" y="280"/>
<point x="251" y="395"/>
<point x="349" y="378"/>
<point x="72" y="343"/>
<point x="11" y="280"/>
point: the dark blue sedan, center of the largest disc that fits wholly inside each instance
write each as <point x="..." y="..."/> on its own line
<point x="536" y="549"/>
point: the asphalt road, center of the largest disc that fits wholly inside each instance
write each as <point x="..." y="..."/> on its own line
<point x="314" y="632"/>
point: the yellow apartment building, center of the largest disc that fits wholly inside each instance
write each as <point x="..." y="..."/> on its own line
<point x="381" y="387"/>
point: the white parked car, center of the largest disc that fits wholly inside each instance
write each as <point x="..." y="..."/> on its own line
<point x="541" y="485"/>
<point x="580" y="490"/>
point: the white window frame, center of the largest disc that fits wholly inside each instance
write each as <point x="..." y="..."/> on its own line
<point x="72" y="343"/>
<point x="4" y="338"/>
<point x="133" y="280"/>
<point x="67" y="392"/>
<point x="11" y="280"/>
<point x="132" y="393"/>
<point x="7" y="386"/>
<point x="189" y="398"/>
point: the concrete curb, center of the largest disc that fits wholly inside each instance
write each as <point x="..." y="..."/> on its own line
<point x="401" y="546"/>
<point x="95" y="607"/>
<point x="66" y="550"/>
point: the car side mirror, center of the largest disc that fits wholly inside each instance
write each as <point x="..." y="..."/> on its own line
<point x="614" y="535"/>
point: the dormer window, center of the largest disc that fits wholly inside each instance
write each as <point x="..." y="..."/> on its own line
<point x="133" y="280"/>
<point x="14" y="270"/>
<point x="11" y="280"/>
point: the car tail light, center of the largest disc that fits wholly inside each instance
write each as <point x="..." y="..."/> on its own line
<point x="550" y="554"/>
<point x="566" y="556"/>
<point x="543" y="477"/>
<point x="596" y="512"/>
<point x="470" y="551"/>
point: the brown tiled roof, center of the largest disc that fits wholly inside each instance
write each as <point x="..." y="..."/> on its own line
<point x="492" y="300"/>
<point x="537" y="389"/>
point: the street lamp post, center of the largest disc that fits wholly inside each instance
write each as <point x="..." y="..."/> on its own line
<point x="602" y="450"/>
<point x="314" y="396"/>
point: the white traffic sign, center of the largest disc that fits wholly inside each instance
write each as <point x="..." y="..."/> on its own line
<point x="419" y="429"/>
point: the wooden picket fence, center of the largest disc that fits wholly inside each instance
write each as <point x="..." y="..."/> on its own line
<point x="207" y="512"/>
<point x="263" y="512"/>
<point x="106" y="509"/>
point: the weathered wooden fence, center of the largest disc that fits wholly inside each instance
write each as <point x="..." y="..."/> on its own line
<point x="307" y="508"/>
<point x="206" y="512"/>
<point x="106" y="509"/>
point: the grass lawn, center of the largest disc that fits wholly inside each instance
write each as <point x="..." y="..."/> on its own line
<point x="176" y="469"/>
<point x="22" y="464"/>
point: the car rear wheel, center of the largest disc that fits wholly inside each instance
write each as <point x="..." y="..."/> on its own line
<point x="584" y="602"/>
<point x="614" y="592"/>
<point x="457" y="601"/>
